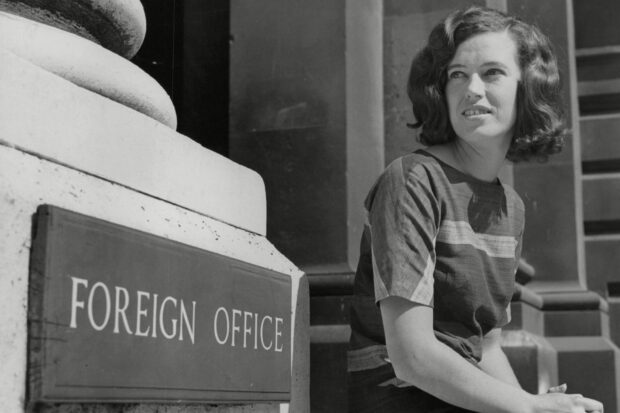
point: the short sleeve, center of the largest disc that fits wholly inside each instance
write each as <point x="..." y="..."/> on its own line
<point x="403" y="213"/>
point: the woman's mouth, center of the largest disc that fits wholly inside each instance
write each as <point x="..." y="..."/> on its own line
<point x="476" y="112"/>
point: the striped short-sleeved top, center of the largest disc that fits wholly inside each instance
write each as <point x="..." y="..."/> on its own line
<point x="440" y="238"/>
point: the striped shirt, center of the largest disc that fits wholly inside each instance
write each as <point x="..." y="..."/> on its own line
<point x="439" y="238"/>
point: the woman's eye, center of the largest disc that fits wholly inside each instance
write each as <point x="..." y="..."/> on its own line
<point x="456" y="75"/>
<point x="494" y="72"/>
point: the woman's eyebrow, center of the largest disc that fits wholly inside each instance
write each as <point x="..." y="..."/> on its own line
<point x="491" y="63"/>
<point x="455" y="66"/>
<point x="494" y="63"/>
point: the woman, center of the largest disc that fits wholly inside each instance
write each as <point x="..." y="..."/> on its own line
<point x="443" y="239"/>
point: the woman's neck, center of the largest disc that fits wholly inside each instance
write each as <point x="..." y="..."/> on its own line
<point x="482" y="163"/>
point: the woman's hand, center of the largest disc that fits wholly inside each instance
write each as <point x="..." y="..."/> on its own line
<point x="562" y="389"/>
<point x="558" y="402"/>
<point x="558" y="389"/>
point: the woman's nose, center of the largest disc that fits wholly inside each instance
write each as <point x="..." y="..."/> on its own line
<point x="475" y="88"/>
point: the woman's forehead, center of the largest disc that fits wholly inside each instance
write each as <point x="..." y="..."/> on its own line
<point x="490" y="48"/>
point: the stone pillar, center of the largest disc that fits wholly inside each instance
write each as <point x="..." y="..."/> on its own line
<point x="552" y="190"/>
<point x="300" y="116"/>
<point x="307" y="113"/>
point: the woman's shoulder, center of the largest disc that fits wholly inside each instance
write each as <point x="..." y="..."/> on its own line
<point x="417" y="165"/>
<point x="411" y="174"/>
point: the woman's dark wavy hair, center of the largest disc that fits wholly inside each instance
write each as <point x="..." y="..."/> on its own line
<point x="538" y="130"/>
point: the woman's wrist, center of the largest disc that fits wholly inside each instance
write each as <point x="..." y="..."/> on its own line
<point x="531" y="404"/>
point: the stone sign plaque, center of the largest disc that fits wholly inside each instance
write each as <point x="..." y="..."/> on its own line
<point x="117" y="315"/>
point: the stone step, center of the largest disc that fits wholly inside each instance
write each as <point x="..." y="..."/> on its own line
<point x="596" y="23"/>
<point x="599" y="79"/>
<point x="602" y="261"/>
<point x="601" y="203"/>
<point x="600" y="143"/>
<point x="597" y="41"/>
<point x="598" y="63"/>
<point x="599" y="104"/>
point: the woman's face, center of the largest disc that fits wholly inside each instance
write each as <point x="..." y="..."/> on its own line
<point x="482" y="88"/>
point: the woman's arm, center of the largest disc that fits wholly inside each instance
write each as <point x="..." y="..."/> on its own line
<point x="422" y="360"/>
<point x="494" y="361"/>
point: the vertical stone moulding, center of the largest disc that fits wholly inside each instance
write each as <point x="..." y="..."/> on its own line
<point x="36" y="323"/>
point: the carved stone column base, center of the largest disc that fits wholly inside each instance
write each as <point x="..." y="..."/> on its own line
<point x="86" y="64"/>
<point x="117" y="25"/>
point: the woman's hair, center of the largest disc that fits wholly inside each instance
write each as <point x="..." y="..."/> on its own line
<point x="538" y="130"/>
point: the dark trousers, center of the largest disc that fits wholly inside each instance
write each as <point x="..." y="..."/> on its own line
<point x="368" y="394"/>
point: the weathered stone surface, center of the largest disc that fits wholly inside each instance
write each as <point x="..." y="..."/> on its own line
<point x="118" y="144"/>
<point x="118" y="25"/>
<point x="62" y="145"/>
<point x="113" y="142"/>
<point x="27" y="181"/>
<point x="87" y="65"/>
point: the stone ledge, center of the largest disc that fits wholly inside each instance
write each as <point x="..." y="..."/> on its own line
<point x="568" y="300"/>
<point x="157" y="408"/>
<point x="47" y="116"/>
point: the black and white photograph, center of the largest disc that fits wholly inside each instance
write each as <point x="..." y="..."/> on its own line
<point x="309" y="206"/>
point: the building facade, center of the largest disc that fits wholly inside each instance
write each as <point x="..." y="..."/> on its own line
<point x="253" y="130"/>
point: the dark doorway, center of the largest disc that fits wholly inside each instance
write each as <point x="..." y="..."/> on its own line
<point x="186" y="50"/>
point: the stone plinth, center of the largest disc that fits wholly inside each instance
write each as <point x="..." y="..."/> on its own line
<point x="65" y="146"/>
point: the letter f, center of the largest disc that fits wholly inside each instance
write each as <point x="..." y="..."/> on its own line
<point x="75" y="304"/>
